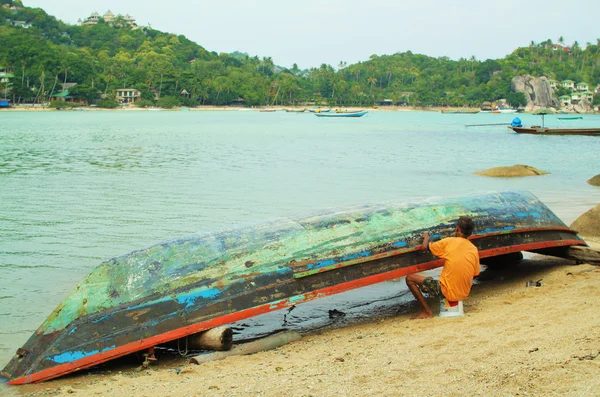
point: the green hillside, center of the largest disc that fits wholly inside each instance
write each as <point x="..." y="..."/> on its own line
<point x="42" y="52"/>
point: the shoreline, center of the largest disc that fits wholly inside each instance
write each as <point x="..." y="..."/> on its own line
<point x="512" y="340"/>
<point x="449" y="110"/>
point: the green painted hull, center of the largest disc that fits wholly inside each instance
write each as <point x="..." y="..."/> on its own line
<point x="170" y="290"/>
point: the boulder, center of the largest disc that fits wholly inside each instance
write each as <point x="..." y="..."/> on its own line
<point x="588" y="224"/>
<point x="511" y="171"/>
<point x="537" y="90"/>
<point x="583" y="106"/>
<point x="594" y="180"/>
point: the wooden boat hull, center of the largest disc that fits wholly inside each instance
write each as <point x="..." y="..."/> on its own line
<point x="356" y="114"/>
<point x="165" y="292"/>
<point x="555" y="131"/>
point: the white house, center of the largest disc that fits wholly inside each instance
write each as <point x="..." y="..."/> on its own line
<point x="568" y="84"/>
<point x="128" y="95"/>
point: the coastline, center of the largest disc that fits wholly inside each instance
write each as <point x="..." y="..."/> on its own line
<point x="218" y="108"/>
<point x="438" y="109"/>
<point x="512" y="340"/>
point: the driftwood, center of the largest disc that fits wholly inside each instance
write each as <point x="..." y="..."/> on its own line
<point x="268" y="343"/>
<point x="584" y="254"/>
<point x="219" y="339"/>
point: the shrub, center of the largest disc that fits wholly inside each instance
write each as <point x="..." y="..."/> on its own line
<point x="108" y="104"/>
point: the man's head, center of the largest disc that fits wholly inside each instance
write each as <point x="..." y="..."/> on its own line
<point x="465" y="226"/>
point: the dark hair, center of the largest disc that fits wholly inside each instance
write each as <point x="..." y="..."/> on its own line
<point x="466" y="226"/>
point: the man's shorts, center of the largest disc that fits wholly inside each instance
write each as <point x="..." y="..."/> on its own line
<point x="431" y="287"/>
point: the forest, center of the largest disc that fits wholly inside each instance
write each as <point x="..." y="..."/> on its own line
<point x="171" y="70"/>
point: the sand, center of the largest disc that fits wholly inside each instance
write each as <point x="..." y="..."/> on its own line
<point x="513" y="340"/>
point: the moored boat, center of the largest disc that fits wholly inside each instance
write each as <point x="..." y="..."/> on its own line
<point x="348" y="114"/>
<point x="538" y="130"/>
<point x="162" y="293"/>
<point x="504" y="111"/>
<point x="459" y="111"/>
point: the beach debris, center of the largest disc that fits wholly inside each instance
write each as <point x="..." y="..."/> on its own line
<point x="268" y="343"/>
<point x="587" y="357"/>
<point x="534" y="283"/>
<point x="516" y="170"/>
<point x="534" y="350"/>
<point x="333" y="314"/>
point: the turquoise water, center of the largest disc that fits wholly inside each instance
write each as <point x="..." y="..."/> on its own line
<point x="77" y="188"/>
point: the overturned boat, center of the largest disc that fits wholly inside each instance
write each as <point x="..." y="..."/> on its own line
<point x="165" y="292"/>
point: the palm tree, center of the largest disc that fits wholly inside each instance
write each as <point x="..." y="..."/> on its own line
<point x="372" y="81"/>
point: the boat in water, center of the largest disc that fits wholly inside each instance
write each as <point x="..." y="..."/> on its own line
<point x="517" y="127"/>
<point x="503" y="110"/>
<point x="159" y="294"/>
<point x="539" y="130"/>
<point x="345" y="114"/>
<point x="459" y="111"/>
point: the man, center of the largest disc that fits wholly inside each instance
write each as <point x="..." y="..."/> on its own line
<point x="460" y="266"/>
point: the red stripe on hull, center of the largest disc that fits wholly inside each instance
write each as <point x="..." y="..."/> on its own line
<point x="99" y="358"/>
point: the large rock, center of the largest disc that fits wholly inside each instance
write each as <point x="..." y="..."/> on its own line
<point x="583" y="106"/>
<point x="511" y="171"/>
<point x="588" y="224"/>
<point x="595" y="180"/>
<point x="537" y="90"/>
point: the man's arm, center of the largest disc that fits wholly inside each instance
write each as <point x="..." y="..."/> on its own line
<point x="425" y="245"/>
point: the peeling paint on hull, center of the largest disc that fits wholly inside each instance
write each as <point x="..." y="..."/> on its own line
<point x="178" y="288"/>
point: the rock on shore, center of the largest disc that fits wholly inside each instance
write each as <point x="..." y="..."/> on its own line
<point x="511" y="171"/>
<point x="588" y="224"/>
<point x="594" y="180"/>
<point x="537" y="90"/>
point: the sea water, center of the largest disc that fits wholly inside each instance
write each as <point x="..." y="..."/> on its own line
<point x="77" y="188"/>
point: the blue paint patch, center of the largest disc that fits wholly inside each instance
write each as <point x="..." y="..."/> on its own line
<point x="435" y="236"/>
<point x="296" y="299"/>
<point x="69" y="357"/>
<point x="400" y="244"/>
<point x="190" y="300"/>
<point x="521" y="214"/>
<point x="321" y="264"/>
<point x="329" y="262"/>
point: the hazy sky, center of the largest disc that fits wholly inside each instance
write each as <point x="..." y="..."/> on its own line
<point x="311" y="32"/>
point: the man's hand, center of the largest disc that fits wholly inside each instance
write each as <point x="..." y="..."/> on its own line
<point x="425" y="245"/>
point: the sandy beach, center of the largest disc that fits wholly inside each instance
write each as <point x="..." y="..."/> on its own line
<point x="132" y="108"/>
<point x="513" y="340"/>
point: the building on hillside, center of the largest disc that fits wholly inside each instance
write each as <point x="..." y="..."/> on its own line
<point x="128" y="95"/>
<point x="576" y="97"/>
<point x="109" y="18"/>
<point x="568" y="84"/>
<point x="565" y="100"/>
<point x="92" y="19"/>
<point x="582" y="86"/>
<point x="21" y="24"/>
<point x="553" y="83"/>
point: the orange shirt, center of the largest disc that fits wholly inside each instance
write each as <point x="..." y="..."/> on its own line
<point x="461" y="265"/>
